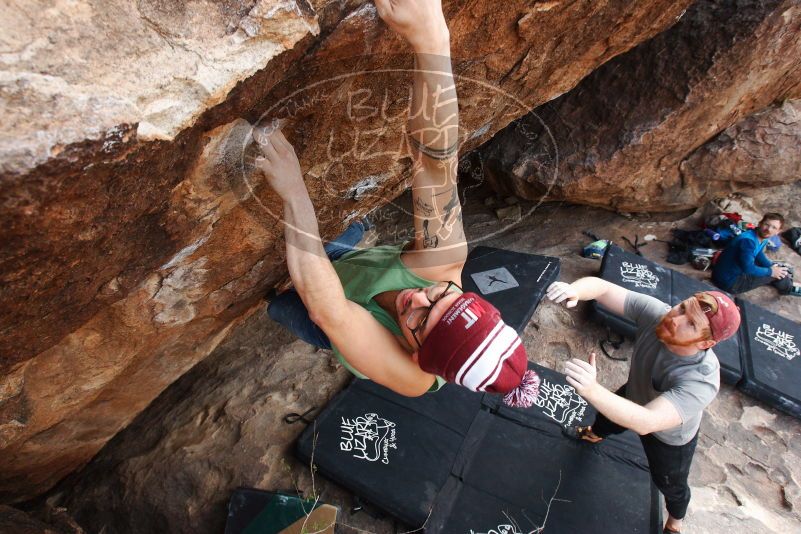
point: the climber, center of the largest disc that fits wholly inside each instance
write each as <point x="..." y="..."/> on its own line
<point x="673" y="377"/>
<point x="743" y="266"/>
<point x="396" y="314"/>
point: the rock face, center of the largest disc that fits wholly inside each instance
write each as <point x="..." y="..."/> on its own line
<point x="76" y="70"/>
<point x="133" y="236"/>
<point x="225" y="429"/>
<point x="624" y="131"/>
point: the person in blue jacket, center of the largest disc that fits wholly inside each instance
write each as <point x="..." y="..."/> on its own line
<point x="743" y="266"/>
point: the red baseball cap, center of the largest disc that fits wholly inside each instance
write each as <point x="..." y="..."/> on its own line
<point x="722" y="312"/>
<point x="473" y="347"/>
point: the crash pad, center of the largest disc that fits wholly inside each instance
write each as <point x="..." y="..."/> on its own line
<point x="455" y="460"/>
<point x="771" y="358"/>
<point x="520" y="478"/>
<point x="513" y="282"/>
<point x="393" y="451"/>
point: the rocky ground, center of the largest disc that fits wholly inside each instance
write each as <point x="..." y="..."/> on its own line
<point x="221" y="425"/>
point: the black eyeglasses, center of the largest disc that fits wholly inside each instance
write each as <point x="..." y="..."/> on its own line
<point x="418" y="317"/>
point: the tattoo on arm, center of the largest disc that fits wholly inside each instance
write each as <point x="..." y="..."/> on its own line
<point x="429" y="241"/>
<point x="426" y="209"/>
<point x="452" y="204"/>
<point x="434" y="153"/>
<point x="452" y="211"/>
<point x="446" y="220"/>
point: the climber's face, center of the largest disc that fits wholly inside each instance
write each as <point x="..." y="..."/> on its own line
<point x="420" y="309"/>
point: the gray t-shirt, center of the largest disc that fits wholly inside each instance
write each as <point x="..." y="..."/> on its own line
<point x="690" y="383"/>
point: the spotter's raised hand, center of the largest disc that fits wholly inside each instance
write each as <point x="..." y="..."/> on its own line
<point x="562" y="292"/>
<point x="582" y="375"/>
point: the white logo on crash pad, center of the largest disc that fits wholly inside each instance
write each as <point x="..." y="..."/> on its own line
<point x="494" y="280"/>
<point x="777" y="342"/>
<point x="368" y="437"/>
<point x="561" y="403"/>
<point x="505" y="529"/>
<point x="639" y="275"/>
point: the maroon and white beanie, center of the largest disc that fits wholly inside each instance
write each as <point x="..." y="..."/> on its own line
<point x="473" y="347"/>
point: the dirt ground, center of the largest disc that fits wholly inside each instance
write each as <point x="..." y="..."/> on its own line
<point x="221" y="425"/>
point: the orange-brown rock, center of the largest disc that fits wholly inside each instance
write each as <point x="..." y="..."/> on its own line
<point x="132" y="242"/>
<point x="621" y="135"/>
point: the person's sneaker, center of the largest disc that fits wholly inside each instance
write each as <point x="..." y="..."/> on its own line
<point x="795" y="292"/>
<point x="583" y="433"/>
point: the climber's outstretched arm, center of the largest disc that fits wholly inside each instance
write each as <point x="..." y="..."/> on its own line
<point x="351" y="328"/>
<point x="433" y="131"/>
<point x="309" y="267"/>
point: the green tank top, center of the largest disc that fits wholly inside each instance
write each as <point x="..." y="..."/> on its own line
<point x="368" y="272"/>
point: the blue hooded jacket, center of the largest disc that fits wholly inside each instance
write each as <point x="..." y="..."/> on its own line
<point x="744" y="255"/>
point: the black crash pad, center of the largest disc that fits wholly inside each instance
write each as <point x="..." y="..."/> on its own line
<point x="423" y="459"/>
<point x="408" y="456"/>
<point x="395" y="452"/>
<point x="558" y="406"/>
<point x="515" y="471"/>
<point x="644" y="276"/>
<point x="771" y="358"/>
<point x="557" y="403"/>
<point x="513" y="282"/>
<point x="472" y="511"/>
<point x="636" y="273"/>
